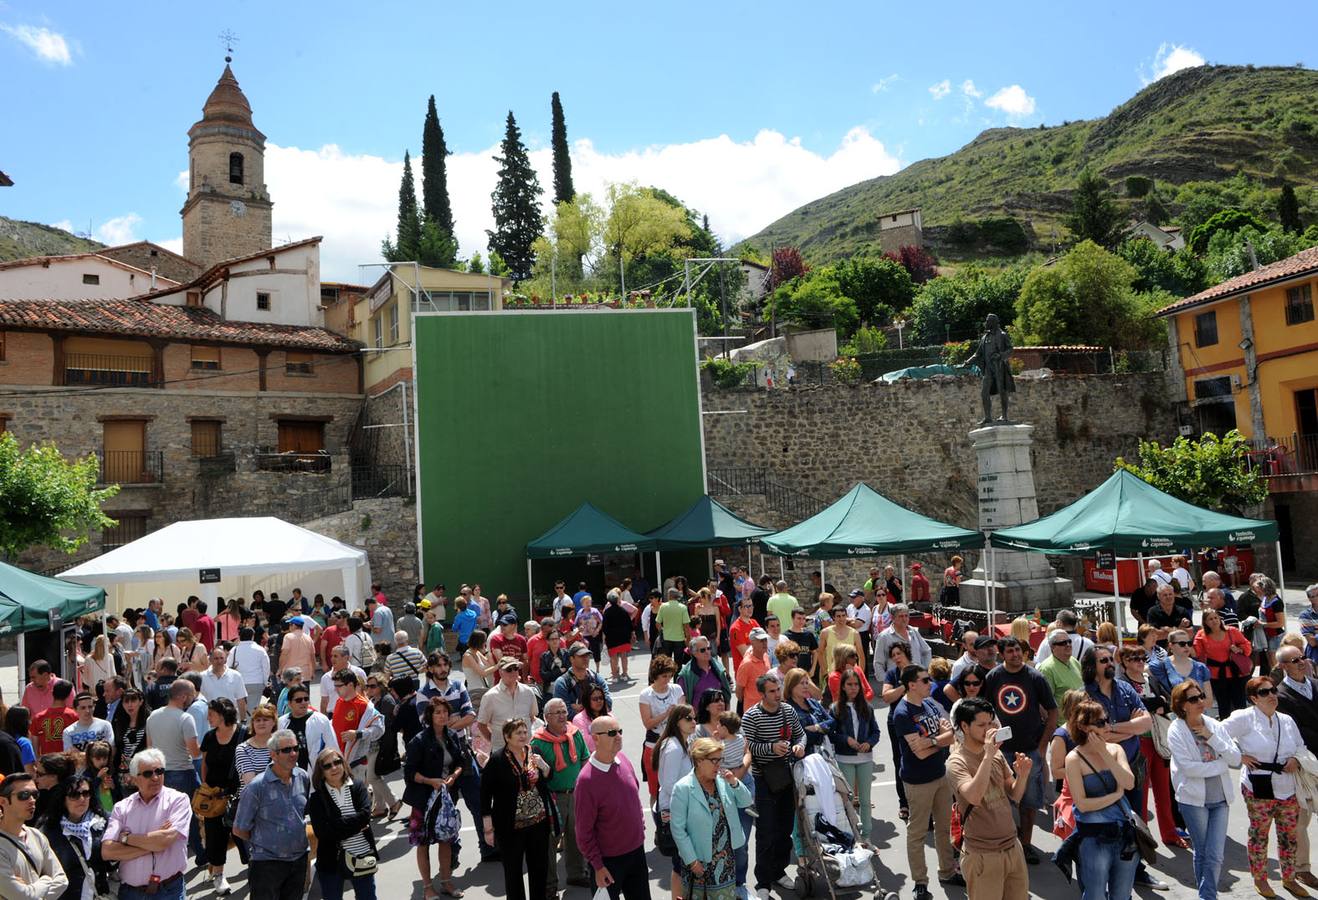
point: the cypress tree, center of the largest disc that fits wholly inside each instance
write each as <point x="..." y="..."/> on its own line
<point x="563" y="189"/>
<point x="408" y="244"/>
<point x="1288" y="210"/>
<point x="434" y="177"/>
<point x="516" y="204"/>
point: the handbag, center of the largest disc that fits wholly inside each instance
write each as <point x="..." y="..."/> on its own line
<point x="1158" y="734"/>
<point x="1240" y="661"/>
<point x="1260" y="783"/>
<point x="1145" y="842"/>
<point x="209" y="801"/>
<point x="360" y="866"/>
<point x="663" y="835"/>
<point x="777" y="777"/>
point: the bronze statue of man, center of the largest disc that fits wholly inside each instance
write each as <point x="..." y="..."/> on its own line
<point x="993" y="356"/>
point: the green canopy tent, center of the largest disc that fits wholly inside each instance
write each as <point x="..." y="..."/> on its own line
<point x="1131" y="517"/>
<point x="584" y="531"/>
<point x="27" y="601"/>
<point x="705" y="525"/>
<point x="863" y="522"/>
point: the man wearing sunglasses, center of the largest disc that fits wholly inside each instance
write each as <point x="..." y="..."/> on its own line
<point x="1061" y="669"/>
<point x="26" y="860"/>
<point x="270" y="818"/>
<point x="314" y="730"/>
<point x="926" y="735"/>
<point x="610" y="827"/>
<point x="148" y="833"/>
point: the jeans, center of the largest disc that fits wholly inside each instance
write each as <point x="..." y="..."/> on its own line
<point x="1207" y="827"/>
<point x="1104" y="875"/>
<point x="773" y="833"/>
<point x="188" y="782"/>
<point x="277" y="879"/>
<point x="331" y="885"/>
<point x="175" y="891"/>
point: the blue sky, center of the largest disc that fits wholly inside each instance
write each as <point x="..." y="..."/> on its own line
<point x="744" y="111"/>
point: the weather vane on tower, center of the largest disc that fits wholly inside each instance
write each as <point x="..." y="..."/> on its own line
<point x="228" y="39"/>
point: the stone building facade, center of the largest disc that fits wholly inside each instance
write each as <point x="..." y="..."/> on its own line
<point x="903" y="228"/>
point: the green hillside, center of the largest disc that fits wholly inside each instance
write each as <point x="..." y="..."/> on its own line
<point x="1203" y="124"/>
<point x="22" y="239"/>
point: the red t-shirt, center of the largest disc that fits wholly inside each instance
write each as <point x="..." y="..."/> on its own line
<point x="739" y="638"/>
<point x="919" y="588"/>
<point x="48" y="729"/>
<point x="188" y="619"/>
<point x="333" y="636"/>
<point x="205" y="632"/>
<point x="534" y="647"/>
<point x="509" y="646"/>
<point x="348" y="717"/>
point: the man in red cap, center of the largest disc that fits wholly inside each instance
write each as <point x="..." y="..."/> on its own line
<point x="919" y="584"/>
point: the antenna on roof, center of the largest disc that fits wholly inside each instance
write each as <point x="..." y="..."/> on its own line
<point x="228" y="39"/>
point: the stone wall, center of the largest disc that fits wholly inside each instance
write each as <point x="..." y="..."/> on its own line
<point x="910" y="441"/>
<point x="386" y="530"/>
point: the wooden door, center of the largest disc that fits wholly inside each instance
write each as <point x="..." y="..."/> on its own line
<point x="125" y="451"/>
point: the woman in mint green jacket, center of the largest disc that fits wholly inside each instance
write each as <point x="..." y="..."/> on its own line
<point x="705" y="824"/>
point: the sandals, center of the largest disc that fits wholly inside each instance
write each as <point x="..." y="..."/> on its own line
<point x="448" y="890"/>
<point x="393" y="810"/>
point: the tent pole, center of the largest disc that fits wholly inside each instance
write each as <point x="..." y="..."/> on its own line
<point x="658" y="574"/>
<point x="988" y="577"/>
<point x="1117" y="616"/>
<point x="823" y="579"/>
<point x="529" y="596"/>
<point x="22" y="668"/>
<point x="709" y="557"/>
<point x="763" y="571"/>
<point x="1281" y="575"/>
<point x="993" y="593"/>
<point x="905" y="596"/>
<point x="1139" y="576"/>
<point x="782" y="570"/>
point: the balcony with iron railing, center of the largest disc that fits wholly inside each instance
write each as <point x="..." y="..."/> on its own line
<point x="1289" y="464"/>
<point x="132" y="467"/>
<point x="270" y="460"/>
<point x="109" y="371"/>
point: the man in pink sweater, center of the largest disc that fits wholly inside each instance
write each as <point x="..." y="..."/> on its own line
<point x="610" y="825"/>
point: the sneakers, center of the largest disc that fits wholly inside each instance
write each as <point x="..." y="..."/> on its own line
<point x="761" y="894"/>
<point x="785" y="883"/>
<point x="1144" y="879"/>
<point x="922" y="892"/>
<point x="219" y="885"/>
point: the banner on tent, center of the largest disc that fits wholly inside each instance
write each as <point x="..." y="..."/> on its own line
<point x="1106" y="559"/>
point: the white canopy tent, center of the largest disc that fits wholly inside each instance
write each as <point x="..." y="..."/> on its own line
<point x="253" y="553"/>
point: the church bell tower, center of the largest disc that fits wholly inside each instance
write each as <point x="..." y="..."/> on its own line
<point x="227" y="213"/>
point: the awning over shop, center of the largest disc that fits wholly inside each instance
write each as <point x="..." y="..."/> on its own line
<point x="865" y="523"/>
<point x="27" y="600"/>
<point x="707" y="523"/>
<point x="1131" y="517"/>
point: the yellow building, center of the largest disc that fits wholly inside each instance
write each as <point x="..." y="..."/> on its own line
<point x="1248" y="350"/>
<point x="382" y="318"/>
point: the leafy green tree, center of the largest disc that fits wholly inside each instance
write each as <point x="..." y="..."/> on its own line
<point x="1180" y="274"/>
<point x="1288" y="210"/>
<point x="1210" y="472"/>
<point x="434" y="175"/>
<point x="516" y="201"/>
<point x="815" y="301"/>
<point x="880" y="286"/>
<point x="46" y="500"/>
<point x="409" y="220"/>
<point x="1229" y="251"/>
<point x="475" y="265"/>
<point x="640" y="224"/>
<point x="563" y="189"/>
<point x="953" y="307"/>
<point x="497" y="265"/>
<point x="866" y="340"/>
<point x="1228" y="220"/>
<point x="1095" y="214"/>
<point x="437" y="247"/>
<point x="1085" y="298"/>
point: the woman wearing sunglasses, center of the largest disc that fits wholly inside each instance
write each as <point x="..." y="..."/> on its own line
<point x="1268" y="741"/>
<point x="340" y="813"/>
<point x="1134" y="671"/>
<point x="75" y="838"/>
<point x="1167" y="673"/>
<point x="1202" y="754"/>
<point x="1099" y="777"/>
<point x="706" y="827"/>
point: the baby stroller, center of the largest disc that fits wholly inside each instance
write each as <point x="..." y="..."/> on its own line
<point x="837" y="865"/>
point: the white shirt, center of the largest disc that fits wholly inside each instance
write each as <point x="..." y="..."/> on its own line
<point x="1080" y="645"/>
<point x="498" y="706"/>
<point x="862" y="613"/>
<point x="1189" y="769"/>
<point x="230" y="684"/>
<point x="251" y="661"/>
<point x="561" y="603"/>
<point x="319" y="732"/>
<point x="1266" y="740"/>
<point x="1161" y="576"/>
<point x="1300" y="687"/>
<point x="328" y="691"/>
<point x="1182" y="576"/>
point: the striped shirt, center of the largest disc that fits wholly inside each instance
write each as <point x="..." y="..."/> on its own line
<point x="357" y="844"/>
<point x="250" y="758"/>
<point x="405" y="662"/>
<point x="762" y="729"/>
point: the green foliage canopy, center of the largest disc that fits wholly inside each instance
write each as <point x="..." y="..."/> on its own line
<point x="1095" y="214"/>
<point x="1085" y="298"/>
<point x="46" y="500"/>
<point x="953" y="307"/>
<point x="1210" y="472"/>
<point x="516" y="203"/>
<point x="1225" y="220"/>
<point x="879" y="286"/>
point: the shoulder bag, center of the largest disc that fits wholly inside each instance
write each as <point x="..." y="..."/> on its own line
<point x="209" y="801"/>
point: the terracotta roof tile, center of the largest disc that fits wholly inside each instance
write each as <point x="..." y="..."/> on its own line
<point x="1303" y="263"/>
<point x="138" y="318"/>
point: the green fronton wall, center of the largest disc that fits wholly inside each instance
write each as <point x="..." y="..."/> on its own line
<point x="523" y="416"/>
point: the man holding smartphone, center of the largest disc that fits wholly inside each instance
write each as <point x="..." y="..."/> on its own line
<point x="1025" y="704"/>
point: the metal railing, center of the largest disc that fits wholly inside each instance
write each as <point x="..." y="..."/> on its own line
<point x="268" y="460"/>
<point x="738" y="480"/>
<point x="118" y="371"/>
<point x="132" y="467"/>
<point x="1296" y="454"/>
<point x="129" y="529"/>
<point x="390" y="480"/>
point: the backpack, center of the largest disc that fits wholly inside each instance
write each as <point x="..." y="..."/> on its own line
<point x="366" y="653"/>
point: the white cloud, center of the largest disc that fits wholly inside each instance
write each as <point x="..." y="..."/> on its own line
<point x="119" y="230"/>
<point x="63" y="225"/>
<point x="49" y="46"/>
<point x="174" y="244"/>
<point x="1173" y="58"/>
<point x="884" y="83"/>
<point x="968" y="88"/>
<point x="743" y="185"/>
<point x="941" y="90"/>
<point x="1013" y="101"/>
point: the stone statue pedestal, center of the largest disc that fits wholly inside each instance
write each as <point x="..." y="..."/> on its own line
<point x="1021" y="581"/>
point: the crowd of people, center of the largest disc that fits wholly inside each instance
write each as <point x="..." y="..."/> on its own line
<point x="179" y="737"/>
